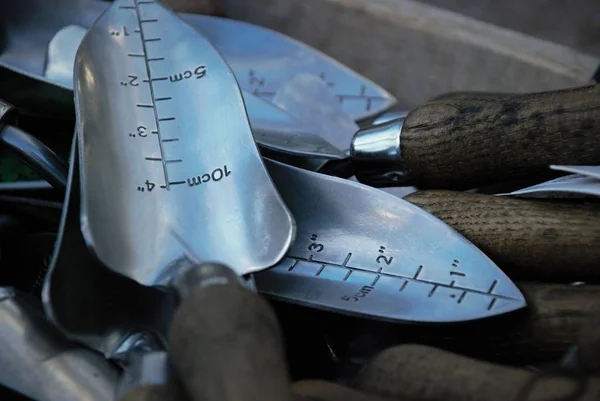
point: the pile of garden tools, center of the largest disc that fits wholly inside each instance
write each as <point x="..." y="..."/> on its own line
<point x="198" y="208"/>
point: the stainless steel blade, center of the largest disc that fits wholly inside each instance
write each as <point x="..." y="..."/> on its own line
<point x="272" y="127"/>
<point x="364" y="252"/>
<point x="569" y="186"/>
<point x="262" y="59"/>
<point x="37" y="361"/>
<point x="309" y="98"/>
<point x="588" y="171"/>
<point x="166" y="151"/>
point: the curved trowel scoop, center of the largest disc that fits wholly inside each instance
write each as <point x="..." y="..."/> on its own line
<point x="169" y="168"/>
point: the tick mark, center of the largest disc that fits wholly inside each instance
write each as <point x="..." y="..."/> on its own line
<point x="457" y="274"/>
<point x="177" y="183"/>
<point x="375" y="281"/>
<point x="432" y="291"/>
<point x="154" y="159"/>
<point x="491" y="305"/>
<point x="171" y="140"/>
<point x="418" y="272"/>
<point x="154" y="132"/>
<point x="145" y="2"/>
<point x="149" y="106"/>
<point x="347" y="259"/>
<point x="152" y="40"/>
<point x="155" y="79"/>
<point x="462" y="296"/>
<point x="136" y="55"/>
<point x="167" y="119"/>
<point x="403" y="285"/>
<point x="160" y="99"/>
<point x="293" y="265"/>
<point x="493" y="286"/>
<point x="156" y="59"/>
<point x="173" y="161"/>
<point x="320" y="270"/>
<point x="348" y="275"/>
<point x="452" y="283"/>
<point x="143" y="21"/>
<point x="127" y="7"/>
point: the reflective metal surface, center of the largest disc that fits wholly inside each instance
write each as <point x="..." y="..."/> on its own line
<point x="588" y="171"/>
<point x="390" y="116"/>
<point x="262" y="59"/>
<point x="61" y="54"/>
<point x="376" y="154"/>
<point x="35" y="154"/>
<point x="92" y="304"/>
<point x="272" y="127"/>
<point x="573" y="185"/>
<point x="308" y="97"/>
<point x="363" y="252"/>
<point x="38" y="362"/>
<point x="276" y="129"/>
<point x="167" y="151"/>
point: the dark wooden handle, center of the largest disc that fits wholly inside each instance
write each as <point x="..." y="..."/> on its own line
<point x="467" y="141"/>
<point x="227" y="346"/>
<point x="413" y="372"/>
<point x="539" y="334"/>
<point x="528" y="239"/>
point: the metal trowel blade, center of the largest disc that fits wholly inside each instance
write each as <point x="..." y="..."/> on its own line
<point x="272" y="127"/>
<point x="169" y="167"/>
<point x="361" y="251"/>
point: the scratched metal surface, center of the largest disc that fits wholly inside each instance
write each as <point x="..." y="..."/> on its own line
<point x="361" y="251"/>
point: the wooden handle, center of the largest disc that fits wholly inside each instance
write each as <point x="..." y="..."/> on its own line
<point x="464" y="142"/>
<point x="528" y="239"/>
<point x="226" y="346"/>
<point x="539" y="334"/>
<point x="317" y="390"/>
<point x="427" y="374"/>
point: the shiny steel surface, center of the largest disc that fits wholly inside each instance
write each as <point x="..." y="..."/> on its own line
<point x="75" y="295"/>
<point x="390" y="116"/>
<point x="363" y="252"/>
<point x="61" y="55"/>
<point x="308" y="97"/>
<point x="572" y="185"/>
<point x="376" y="154"/>
<point x="35" y="154"/>
<point x="38" y="362"/>
<point x="166" y="151"/>
<point x="272" y="127"/>
<point x="589" y="171"/>
<point x="7" y="112"/>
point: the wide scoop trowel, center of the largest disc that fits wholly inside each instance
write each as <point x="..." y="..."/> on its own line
<point x="361" y="251"/>
<point x="169" y="168"/>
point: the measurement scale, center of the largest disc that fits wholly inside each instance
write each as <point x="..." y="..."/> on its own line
<point x="361" y="251"/>
<point x="166" y="151"/>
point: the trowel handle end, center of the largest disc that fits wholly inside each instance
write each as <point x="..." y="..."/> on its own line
<point x="226" y="343"/>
